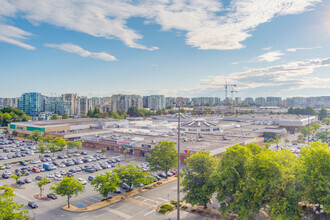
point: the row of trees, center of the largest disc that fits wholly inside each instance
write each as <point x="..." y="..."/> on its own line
<point x="53" y="144"/>
<point x="8" y="115"/>
<point x="312" y="127"/>
<point x="250" y="178"/>
<point x="104" y="183"/>
<point x="323" y="113"/>
<point x="131" y="112"/>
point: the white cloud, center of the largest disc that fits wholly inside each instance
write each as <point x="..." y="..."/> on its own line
<point x="270" y="56"/>
<point x="14" y="35"/>
<point x="294" y="74"/>
<point x="301" y="48"/>
<point x="72" y="48"/>
<point x="267" y="48"/>
<point x="206" y="23"/>
<point x="234" y="63"/>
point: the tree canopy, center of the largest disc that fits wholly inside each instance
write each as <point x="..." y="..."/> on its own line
<point x="302" y="111"/>
<point x="162" y="157"/>
<point x="9" y="210"/>
<point x="106" y="183"/>
<point x="68" y="187"/>
<point x="323" y="113"/>
<point x="315" y="174"/>
<point x="252" y="177"/>
<point x="132" y="175"/>
<point x="8" y="115"/>
<point x="54" y="117"/>
<point x="197" y="178"/>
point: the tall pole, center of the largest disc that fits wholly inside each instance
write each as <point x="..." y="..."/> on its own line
<point x="308" y="130"/>
<point x="178" y="188"/>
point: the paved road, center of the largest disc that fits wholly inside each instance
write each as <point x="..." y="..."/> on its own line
<point x="142" y="206"/>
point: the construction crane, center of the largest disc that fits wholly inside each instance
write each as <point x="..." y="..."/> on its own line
<point x="232" y="98"/>
<point x="226" y="85"/>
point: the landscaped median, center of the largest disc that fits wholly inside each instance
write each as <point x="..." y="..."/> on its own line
<point x="118" y="198"/>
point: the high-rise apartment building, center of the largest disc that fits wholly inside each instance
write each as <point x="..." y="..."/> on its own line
<point x="31" y="103"/>
<point x="261" y="101"/>
<point x="123" y="102"/>
<point x="238" y="100"/>
<point x="57" y="106"/>
<point x="248" y="100"/>
<point x="156" y="102"/>
<point x="72" y="98"/>
<point x="273" y="101"/>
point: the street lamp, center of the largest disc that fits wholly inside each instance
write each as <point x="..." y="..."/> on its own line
<point x="178" y="188"/>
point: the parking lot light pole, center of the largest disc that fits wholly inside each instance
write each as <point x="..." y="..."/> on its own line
<point x="178" y="189"/>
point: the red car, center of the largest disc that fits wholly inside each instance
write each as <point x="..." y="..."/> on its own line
<point x="36" y="170"/>
<point x="173" y="172"/>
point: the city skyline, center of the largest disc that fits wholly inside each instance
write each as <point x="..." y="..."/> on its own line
<point x="167" y="48"/>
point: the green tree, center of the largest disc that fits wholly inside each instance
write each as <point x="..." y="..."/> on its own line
<point x="36" y="136"/>
<point x="326" y="121"/>
<point x="61" y="143"/>
<point x="42" y="183"/>
<point x="5" y="131"/>
<point x="68" y="187"/>
<point x="14" y="133"/>
<point x="54" y="117"/>
<point x="251" y="177"/>
<point x="105" y="184"/>
<point x="15" y="177"/>
<point x="42" y="147"/>
<point x="323" y="136"/>
<point x="132" y="175"/>
<point x="323" y="113"/>
<point x="9" y="210"/>
<point x="197" y="178"/>
<point x="48" y="139"/>
<point x="162" y="157"/>
<point x="52" y="148"/>
<point x="304" y="131"/>
<point x="65" y="116"/>
<point x="315" y="174"/>
<point x="126" y="152"/>
<point x="104" y="150"/>
<point x="73" y="144"/>
<point x="230" y="178"/>
<point x="277" y="141"/>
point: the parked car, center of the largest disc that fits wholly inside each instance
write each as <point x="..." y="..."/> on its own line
<point x="38" y="177"/>
<point x="23" y="163"/>
<point x="91" y="178"/>
<point x="20" y="182"/>
<point x="83" y="153"/>
<point x="117" y="191"/>
<point x="81" y="180"/>
<point x="52" y="196"/>
<point x="35" y="170"/>
<point x="27" y="180"/>
<point x="33" y="204"/>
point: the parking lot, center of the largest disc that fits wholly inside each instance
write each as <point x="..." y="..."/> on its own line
<point x="26" y="194"/>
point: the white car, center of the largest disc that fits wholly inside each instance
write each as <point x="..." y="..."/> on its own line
<point x="81" y="180"/>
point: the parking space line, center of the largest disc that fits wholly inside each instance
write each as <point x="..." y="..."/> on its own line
<point x="23" y="197"/>
<point x="119" y="213"/>
<point x="163" y="199"/>
<point x="150" y="212"/>
<point x="140" y="203"/>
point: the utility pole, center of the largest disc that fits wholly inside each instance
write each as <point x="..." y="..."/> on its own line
<point x="178" y="188"/>
<point x="308" y="130"/>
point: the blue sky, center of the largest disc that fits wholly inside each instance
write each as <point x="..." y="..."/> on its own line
<point x="170" y="47"/>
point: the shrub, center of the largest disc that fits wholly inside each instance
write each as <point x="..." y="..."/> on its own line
<point x="174" y="202"/>
<point x="193" y="210"/>
<point x="184" y="207"/>
<point x="163" y="211"/>
<point x="159" y="183"/>
<point x="167" y="207"/>
<point x="199" y="211"/>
